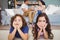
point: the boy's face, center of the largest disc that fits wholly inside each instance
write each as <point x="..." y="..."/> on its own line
<point x="27" y="2"/>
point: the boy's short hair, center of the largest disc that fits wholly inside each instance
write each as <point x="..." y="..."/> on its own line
<point x="25" y="0"/>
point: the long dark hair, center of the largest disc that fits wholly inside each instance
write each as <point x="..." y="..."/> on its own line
<point x="48" y="28"/>
<point x="23" y="20"/>
<point x="43" y="3"/>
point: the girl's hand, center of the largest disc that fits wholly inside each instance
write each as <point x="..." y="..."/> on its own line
<point x="45" y="25"/>
<point x="19" y="26"/>
<point x="14" y="26"/>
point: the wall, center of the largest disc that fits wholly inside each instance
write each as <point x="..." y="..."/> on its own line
<point x="55" y="2"/>
<point x="4" y="4"/>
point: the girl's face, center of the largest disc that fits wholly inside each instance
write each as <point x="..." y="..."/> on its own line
<point x="39" y="3"/>
<point x="41" y="22"/>
<point x="17" y="22"/>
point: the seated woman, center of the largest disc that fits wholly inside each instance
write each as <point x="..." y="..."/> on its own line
<point x="42" y="27"/>
<point x="42" y="5"/>
<point x="32" y="13"/>
<point x="39" y="9"/>
<point x="19" y="28"/>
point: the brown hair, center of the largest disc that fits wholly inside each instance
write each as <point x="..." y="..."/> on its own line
<point x="23" y="20"/>
<point x="25" y="0"/>
<point x="48" y="28"/>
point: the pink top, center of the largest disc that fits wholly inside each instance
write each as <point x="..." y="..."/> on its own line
<point x="41" y="35"/>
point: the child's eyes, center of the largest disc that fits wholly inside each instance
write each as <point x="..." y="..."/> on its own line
<point x="15" y="20"/>
<point x="41" y="21"/>
<point x="18" y="20"/>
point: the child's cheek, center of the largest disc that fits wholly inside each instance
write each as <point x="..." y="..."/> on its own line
<point x="21" y="24"/>
<point x="42" y="24"/>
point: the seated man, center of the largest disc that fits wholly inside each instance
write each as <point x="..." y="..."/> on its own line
<point x="24" y="6"/>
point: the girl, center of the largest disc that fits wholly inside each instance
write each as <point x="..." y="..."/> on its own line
<point x="19" y="28"/>
<point x="42" y="27"/>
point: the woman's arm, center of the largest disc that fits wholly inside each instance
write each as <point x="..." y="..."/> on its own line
<point x="45" y="34"/>
<point x="39" y="33"/>
<point x="12" y="35"/>
<point x="24" y="36"/>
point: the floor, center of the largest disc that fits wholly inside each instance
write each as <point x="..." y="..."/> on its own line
<point x="4" y="31"/>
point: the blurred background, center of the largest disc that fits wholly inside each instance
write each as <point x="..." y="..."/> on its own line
<point x="7" y="8"/>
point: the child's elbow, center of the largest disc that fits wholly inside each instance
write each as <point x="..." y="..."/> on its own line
<point x="26" y="38"/>
<point x="46" y="37"/>
<point x="9" y="37"/>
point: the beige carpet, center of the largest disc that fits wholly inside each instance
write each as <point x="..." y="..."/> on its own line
<point x="4" y="34"/>
<point x="4" y="31"/>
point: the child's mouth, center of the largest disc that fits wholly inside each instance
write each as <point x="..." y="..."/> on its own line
<point x="16" y="24"/>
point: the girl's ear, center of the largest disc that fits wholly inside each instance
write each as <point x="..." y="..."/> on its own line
<point x="46" y="24"/>
<point x="37" y="23"/>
